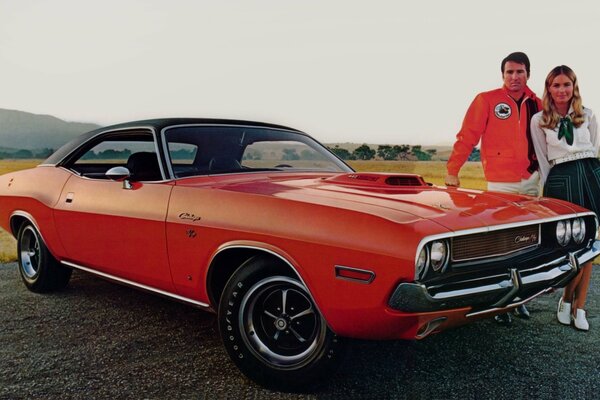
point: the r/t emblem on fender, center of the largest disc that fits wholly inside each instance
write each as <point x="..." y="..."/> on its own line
<point x="191" y="233"/>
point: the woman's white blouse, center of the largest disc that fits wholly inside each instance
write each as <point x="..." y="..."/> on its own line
<point x="548" y="147"/>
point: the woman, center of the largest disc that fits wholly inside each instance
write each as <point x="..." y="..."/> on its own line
<point x="565" y="137"/>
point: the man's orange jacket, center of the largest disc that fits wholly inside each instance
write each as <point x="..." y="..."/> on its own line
<point x="507" y="152"/>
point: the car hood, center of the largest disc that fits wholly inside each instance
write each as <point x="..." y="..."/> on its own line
<point x="398" y="197"/>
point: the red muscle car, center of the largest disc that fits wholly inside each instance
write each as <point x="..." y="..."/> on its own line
<point x="291" y="248"/>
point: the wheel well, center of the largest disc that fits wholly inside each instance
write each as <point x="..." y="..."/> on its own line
<point x="15" y="224"/>
<point x="228" y="261"/>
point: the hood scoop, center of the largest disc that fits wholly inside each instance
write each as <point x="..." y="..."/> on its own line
<point x="380" y="180"/>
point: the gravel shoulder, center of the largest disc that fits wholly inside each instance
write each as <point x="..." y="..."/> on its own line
<point x="101" y="340"/>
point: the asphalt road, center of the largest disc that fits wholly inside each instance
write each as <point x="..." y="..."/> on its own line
<point x="101" y="340"/>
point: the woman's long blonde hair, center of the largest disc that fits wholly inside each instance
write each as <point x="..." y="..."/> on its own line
<point x="550" y="116"/>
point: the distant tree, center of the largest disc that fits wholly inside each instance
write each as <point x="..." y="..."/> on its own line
<point x="388" y="152"/>
<point x="342" y="153"/>
<point x="475" y="155"/>
<point x="403" y="151"/>
<point x="309" y="155"/>
<point x="253" y="154"/>
<point x="182" y="154"/>
<point x="290" y="154"/>
<point x="44" y="153"/>
<point x="23" y="154"/>
<point x="111" y="154"/>
<point x="90" y="155"/>
<point x="420" y="154"/>
<point x="433" y="152"/>
<point x="394" y="152"/>
<point x="383" y="150"/>
<point x="364" y="152"/>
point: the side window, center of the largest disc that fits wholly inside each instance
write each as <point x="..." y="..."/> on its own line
<point x="114" y="152"/>
<point x="288" y="154"/>
<point x="133" y="150"/>
<point x="182" y="157"/>
<point x="182" y="153"/>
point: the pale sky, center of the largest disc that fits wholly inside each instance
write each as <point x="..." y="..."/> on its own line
<point x="343" y="71"/>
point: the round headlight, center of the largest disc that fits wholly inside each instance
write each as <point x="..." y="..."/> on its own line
<point x="563" y="232"/>
<point x="578" y="230"/>
<point x="421" y="264"/>
<point x="439" y="254"/>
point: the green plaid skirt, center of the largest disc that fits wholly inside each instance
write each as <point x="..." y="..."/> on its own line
<point x="576" y="181"/>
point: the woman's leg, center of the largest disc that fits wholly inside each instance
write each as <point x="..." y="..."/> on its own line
<point x="583" y="285"/>
<point x="570" y="288"/>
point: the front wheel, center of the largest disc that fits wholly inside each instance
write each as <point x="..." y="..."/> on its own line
<point x="40" y="271"/>
<point x="273" y="331"/>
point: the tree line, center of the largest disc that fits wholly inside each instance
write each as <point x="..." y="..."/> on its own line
<point x="23" y="154"/>
<point x="401" y="152"/>
<point x="385" y="152"/>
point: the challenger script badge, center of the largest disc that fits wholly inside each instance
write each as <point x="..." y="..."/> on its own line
<point x="526" y="238"/>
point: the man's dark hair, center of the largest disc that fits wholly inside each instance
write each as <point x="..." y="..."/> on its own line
<point x="517" y="57"/>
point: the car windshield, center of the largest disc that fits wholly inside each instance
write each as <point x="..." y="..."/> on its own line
<point x="204" y="150"/>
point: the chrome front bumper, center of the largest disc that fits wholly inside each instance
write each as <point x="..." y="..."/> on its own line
<point x="494" y="293"/>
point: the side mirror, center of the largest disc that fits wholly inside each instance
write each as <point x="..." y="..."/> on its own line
<point x="120" y="174"/>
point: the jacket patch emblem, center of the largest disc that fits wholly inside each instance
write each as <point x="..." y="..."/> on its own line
<point x="502" y="110"/>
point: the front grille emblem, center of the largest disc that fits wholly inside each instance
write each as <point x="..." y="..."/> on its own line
<point x="531" y="238"/>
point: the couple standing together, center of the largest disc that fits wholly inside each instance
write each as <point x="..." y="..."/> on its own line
<point x="527" y="142"/>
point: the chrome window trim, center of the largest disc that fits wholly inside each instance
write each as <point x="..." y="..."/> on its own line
<point x="129" y="128"/>
<point x="168" y="155"/>
<point x="105" y="180"/>
<point x="451" y="234"/>
<point x="137" y="285"/>
<point x="303" y="172"/>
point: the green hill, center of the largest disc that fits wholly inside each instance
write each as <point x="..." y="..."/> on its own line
<point x="23" y="130"/>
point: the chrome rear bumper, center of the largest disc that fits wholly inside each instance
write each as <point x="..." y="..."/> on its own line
<point x="491" y="294"/>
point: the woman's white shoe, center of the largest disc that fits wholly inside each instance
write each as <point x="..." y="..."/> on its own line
<point x="580" y="321"/>
<point x="564" y="312"/>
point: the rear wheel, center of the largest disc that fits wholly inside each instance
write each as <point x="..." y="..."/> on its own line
<point x="39" y="270"/>
<point x="273" y="331"/>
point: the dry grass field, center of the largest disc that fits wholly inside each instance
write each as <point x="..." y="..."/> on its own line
<point x="433" y="171"/>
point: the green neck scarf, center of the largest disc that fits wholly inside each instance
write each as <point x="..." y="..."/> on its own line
<point x="566" y="129"/>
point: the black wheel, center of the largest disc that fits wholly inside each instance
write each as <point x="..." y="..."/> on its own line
<point x="39" y="270"/>
<point x="272" y="330"/>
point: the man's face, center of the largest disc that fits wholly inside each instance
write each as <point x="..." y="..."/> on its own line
<point x="515" y="77"/>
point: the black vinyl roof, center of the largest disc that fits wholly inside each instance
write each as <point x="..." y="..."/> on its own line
<point x="158" y="125"/>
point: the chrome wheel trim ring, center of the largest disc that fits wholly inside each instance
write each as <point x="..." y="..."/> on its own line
<point x="30" y="252"/>
<point x="255" y="337"/>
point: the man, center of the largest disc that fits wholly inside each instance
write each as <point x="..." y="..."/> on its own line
<point x="501" y="119"/>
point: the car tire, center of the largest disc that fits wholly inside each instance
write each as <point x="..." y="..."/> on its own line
<point x="273" y="331"/>
<point x="40" y="271"/>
